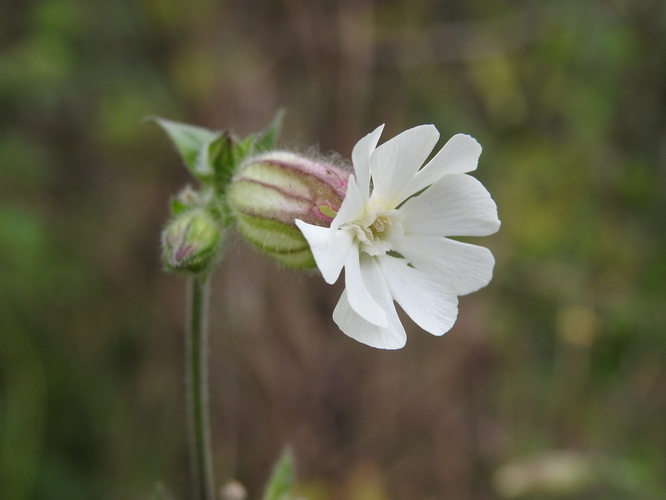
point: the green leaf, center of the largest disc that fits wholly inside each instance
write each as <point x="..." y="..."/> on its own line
<point x="282" y="478"/>
<point x="203" y="166"/>
<point x="267" y="139"/>
<point x="191" y="142"/>
<point x="213" y="156"/>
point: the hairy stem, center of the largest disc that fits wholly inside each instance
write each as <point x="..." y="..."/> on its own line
<point x="197" y="389"/>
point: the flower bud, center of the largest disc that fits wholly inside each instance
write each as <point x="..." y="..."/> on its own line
<point x="274" y="189"/>
<point x="190" y="241"/>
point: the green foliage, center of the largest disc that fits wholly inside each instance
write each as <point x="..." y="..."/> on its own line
<point x="190" y="241"/>
<point x="213" y="157"/>
<point x="192" y="143"/>
<point x="282" y="479"/>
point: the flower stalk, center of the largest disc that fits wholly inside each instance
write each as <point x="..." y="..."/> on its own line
<point x="197" y="389"/>
<point x="192" y="245"/>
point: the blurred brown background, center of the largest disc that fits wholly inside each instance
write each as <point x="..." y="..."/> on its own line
<point x="563" y="351"/>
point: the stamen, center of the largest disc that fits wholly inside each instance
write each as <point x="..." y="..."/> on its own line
<point x="381" y="224"/>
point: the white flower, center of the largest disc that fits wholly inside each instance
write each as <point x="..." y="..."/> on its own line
<point x="391" y="231"/>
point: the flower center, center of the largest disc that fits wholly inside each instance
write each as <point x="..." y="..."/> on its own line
<point x="373" y="232"/>
<point x="382" y="223"/>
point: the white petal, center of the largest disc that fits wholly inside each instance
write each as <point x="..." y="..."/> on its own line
<point x="465" y="268"/>
<point x="361" y="158"/>
<point x="362" y="278"/>
<point x="353" y="206"/>
<point x="457" y="205"/>
<point x="330" y="248"/>
<point x="394" y="163"/>
<point x="458" y="156"/>
<point x="391" y="337"/>
<point x="428" y="301"/>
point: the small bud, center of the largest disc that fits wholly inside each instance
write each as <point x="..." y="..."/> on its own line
<point x="190" y="241"/>
<point x="272" y="190"/>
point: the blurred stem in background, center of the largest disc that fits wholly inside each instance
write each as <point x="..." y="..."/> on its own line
<point x="197" y="387"/>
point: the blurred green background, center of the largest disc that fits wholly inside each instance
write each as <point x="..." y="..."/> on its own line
<point x="563" y="352"/>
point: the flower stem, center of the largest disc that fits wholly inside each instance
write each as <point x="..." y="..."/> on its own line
<point x="197" y="389"/>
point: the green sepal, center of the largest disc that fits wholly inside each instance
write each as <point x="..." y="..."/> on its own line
<point x="282" y="479"/>
<point x="214" y="156"/>
<point x="267" y="140"/>
<point x="225" y="154"/>
<point x="178" y="207"/>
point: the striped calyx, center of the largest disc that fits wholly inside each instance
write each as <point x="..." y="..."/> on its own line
<point x="272" y="190"/>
